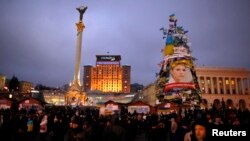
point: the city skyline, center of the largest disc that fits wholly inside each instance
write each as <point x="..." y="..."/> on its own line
<point x="38" y="39"/>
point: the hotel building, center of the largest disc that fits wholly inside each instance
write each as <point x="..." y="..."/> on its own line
<point x="108" y="76"/>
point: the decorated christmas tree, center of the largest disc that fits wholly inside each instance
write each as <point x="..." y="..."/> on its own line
<point x="177" y="80"/>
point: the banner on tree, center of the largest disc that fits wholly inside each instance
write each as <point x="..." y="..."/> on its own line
<point x="180" y="50"/>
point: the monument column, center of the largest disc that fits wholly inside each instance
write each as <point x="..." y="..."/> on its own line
<point x="76" y="84"/>
<point x="75" y="95"/>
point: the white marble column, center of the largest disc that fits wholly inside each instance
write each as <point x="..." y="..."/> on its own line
<point x="218" y="85"/>
<point x="78" y="58"/>
<point x="212" y="85"/>
<point x="230" y="85"/>
<point x="199" y="80"/>
<point x="206" y="88"/>
<point x="242" y="86"/>
<point x="76" y="83"/>
<point x="224" y="85"/>
<point x="236" y="86"/>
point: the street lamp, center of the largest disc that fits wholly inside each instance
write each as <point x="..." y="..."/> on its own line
<point x="10" y="95"/>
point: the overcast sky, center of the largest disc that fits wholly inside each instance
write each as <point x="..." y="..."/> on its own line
<point x="38" y="37"/>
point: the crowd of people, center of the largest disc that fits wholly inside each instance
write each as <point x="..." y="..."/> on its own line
<point x="86" y="124"/>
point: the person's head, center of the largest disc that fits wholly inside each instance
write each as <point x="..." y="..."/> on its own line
<point x="200" y="130"/>
<point x="45" y="117"/>
<point x="74" y="125"/>
<point x="129" y="121"/>
<point x="161" y="125"/>
<point x="178" y="72"/>
<point x="108" y="123"/>
<point x="217" y="119"/>
<point x="86" y="125"/>
<point x="74" y="122"/>
<point x="55" y="118"/>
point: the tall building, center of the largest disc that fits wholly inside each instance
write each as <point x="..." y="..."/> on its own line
<point x="107" y="76"/>
<point x="25" y="86"/>
<point x="126" y="78"/>
<point x="2" y="81"/>
<point x="135" y="88"/>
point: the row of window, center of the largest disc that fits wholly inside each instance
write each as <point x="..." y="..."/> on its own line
<point x="221" y="91"/>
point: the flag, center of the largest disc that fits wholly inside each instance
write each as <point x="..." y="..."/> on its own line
<point x="172" y="18"/>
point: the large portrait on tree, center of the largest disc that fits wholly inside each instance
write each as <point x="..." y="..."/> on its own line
<point x="180" y="78"/>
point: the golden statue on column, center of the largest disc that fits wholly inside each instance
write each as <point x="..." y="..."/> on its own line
<point x="75" y="95"/>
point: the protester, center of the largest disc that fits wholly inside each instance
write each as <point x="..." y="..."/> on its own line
<point x="71" y="124"/>
<point x="113" y="131"/>
<point x="200" y="131"/>
<point x="76" y="132"/>
<point x="174" y="126"/>
<point x="43" y="127"/>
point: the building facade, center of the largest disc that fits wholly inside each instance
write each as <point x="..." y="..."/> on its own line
<point x="134" y="88"/>
<point x="107" y="76"/>
<point x="126" y="70"/>
<point x="149" y="94"/>
<point x="2" y="82"/>
<point x="54" y="97"/>
<point x="25" y="86"/>
<point x="230" y="85"/>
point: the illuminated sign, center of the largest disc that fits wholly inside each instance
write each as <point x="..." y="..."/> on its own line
<point x="107" y="63"/>
<point x="109" y="58"/>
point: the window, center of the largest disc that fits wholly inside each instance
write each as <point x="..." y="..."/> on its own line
<point x="232" y="82"/>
